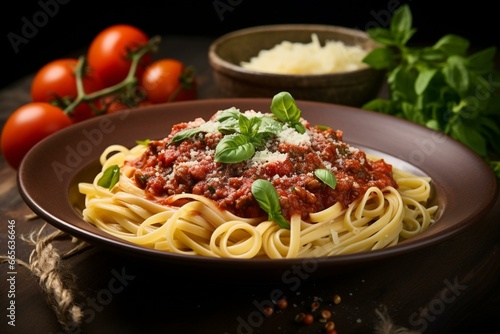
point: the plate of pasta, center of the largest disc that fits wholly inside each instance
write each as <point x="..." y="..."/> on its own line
<point x="256" y="183"/>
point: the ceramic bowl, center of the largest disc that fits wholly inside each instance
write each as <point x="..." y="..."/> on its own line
<point x="352" y="88"/>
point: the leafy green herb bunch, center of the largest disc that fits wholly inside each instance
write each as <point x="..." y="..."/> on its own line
<point x="443" y="86"/>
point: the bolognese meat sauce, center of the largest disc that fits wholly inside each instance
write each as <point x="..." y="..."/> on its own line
<point x="288" y="161"/>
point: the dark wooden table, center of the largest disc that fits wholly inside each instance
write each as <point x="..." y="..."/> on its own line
<point x="449" y="287"/>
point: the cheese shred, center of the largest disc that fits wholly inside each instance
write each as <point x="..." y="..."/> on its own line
<point x="308" y="58"/>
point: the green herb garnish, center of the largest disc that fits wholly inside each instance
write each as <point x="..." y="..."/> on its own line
<point x="440" y="86"/>
<point x="110" y="177"/>
<point x="283" y="106"/>
<point x="327" y="177"/>
<point x="267" y="197"/>
<point x="234" y="148"/>
<point x="244" y="135"/>
<point x="181" y="135"/>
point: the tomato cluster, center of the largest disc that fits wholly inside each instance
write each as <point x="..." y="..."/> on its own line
<point x="117" y="72"/>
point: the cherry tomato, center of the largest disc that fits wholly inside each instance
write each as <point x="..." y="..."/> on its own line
<point x="55" y="82"/>
<point x="108" y="52"/>
<point x="27" y="125"/>
<point x="168" y="80"/>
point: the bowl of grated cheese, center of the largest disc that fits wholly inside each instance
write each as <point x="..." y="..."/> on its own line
<point x="312" y="62"/>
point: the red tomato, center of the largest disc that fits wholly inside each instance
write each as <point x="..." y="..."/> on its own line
<point x="168" y="80"/>
<point x="27" y="125"/>
<point x="57" y="81"/>
<point x="108" y="52"/>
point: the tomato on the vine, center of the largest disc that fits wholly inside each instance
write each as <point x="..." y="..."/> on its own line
<point x="55" y="82"/>
<point x="28" y="125"/>
<point x="108" y="52"/>
<point x="168" y="80"/>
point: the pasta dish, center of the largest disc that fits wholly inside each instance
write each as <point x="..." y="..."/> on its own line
<point x="252" y="184"/>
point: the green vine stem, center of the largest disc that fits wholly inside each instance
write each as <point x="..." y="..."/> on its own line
<point x="125" y="85"/>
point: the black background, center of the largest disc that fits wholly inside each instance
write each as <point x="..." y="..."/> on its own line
<point x="65" y="27"/>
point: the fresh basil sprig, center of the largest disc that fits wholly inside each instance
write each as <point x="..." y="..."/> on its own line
<point x="248" y="134"/>
<point x="244" y="135"/>
<point x="440" y="86"/>
<point x="110" y="177"/>
<point x="242" y="139"/>
<point x="267" y="197"/>
<point x="326" y="176"/>
<point x="283" y="106"/>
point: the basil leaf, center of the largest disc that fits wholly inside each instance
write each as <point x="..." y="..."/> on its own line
<point x="411" y="112"/>
<point x="254" y="128"/>
<point x="184" y="134"/>
<point x="380" y="58"/>
<point x="110" y="177"/>
<point x="284" y="108"/>
<point x="234" y="148"/>
<point x="229" y="120"/>
<point x="249" y="126"/>
<point x="456" y="74"/>
<point x="323" y="127"/>
<point x="452" y="45"/>
<point x="299" y="127"/>
<point x="143" y="142"/>
<point x="423" y="79"/>
<point x="229" y="126"/>
<point x="431" y="55"/>
<point x="327" y="177"/>
<point x="258" y="141"/>
<point x="231" y="113"/>
<point x="495" y="165"/>
<point x="401" y="25"/>
<point x="244" y="124"/>
<point x="266" y="195"/>
<point x="269" y="126"/>
<point x="381" y="105"/>
<point x="382" y="35"/>
<point x="280" y="220"/>
<point x="470" y="137"/>
<point x="482" y="62"/>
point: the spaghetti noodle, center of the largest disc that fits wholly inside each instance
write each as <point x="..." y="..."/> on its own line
<point x="176" y="195"/>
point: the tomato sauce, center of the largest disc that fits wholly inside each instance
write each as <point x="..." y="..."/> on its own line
<point x="168" y="168"/>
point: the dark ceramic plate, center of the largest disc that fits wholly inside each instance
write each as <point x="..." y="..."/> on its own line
<point x="463" y="184"/>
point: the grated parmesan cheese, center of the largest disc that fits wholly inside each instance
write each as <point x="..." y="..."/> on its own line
<point x="308" y="58"/>
<point x="291" y="136"/>
<point x="267" y="156"/>
<point x="210" y="127"/>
